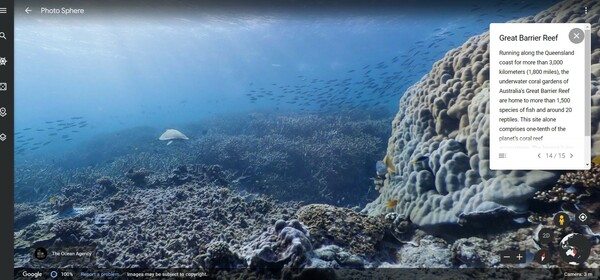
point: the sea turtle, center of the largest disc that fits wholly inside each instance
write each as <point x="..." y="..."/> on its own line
<point x="171" y="135"/>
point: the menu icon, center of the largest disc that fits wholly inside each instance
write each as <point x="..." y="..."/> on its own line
<point x="2" y="10"/>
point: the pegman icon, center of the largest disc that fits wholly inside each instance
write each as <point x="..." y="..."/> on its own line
<point x="561" y="220"/>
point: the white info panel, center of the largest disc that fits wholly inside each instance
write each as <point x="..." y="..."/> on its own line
<point x="540" y="96"/>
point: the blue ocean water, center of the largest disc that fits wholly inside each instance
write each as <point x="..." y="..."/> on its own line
<point x="288" y="116"/>
<point x="104" y="74"/>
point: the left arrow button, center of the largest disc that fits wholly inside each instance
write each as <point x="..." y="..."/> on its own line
<point x="27" y="10"/>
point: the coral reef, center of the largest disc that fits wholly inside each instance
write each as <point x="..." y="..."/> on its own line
<point x="556" y="194"/>
<point x="219" y="255"/>
<point x="32" y="236"/>
<point x="211" y="173"/>
<point x="286" y="244"/>
<point x="174" y="225"/>
<point x="344" y="227"/>
<point x="74" y="193"/>
<point x="473" y="252"/>
<point x="443" y="122"/>
<point x="398" y="226"/>
<point x="314" y="155"/>
<point x="584" y="178"/>
<point x="138" y="177"/>
<point x="66" y="228"/>
<point x="426" y="251"/>
<point x="25" y="214"/>
<point x="107" y="183"/>
<point x="574" y="187"/>
<point x="211" y="217"/>
<point x="179" y="176"/>
<point x="537" y="218"/>
<point x="63" y="204"/>
<point x="168" y="225"/>
<point x="333" y="256"/>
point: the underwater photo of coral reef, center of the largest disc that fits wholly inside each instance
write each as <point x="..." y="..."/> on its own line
<point x="269" y="146"/>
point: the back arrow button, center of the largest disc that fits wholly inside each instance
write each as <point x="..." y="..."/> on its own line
<point x="27" y="10"/>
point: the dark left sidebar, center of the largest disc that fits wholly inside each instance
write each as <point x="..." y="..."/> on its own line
<point x="7" y="77"/>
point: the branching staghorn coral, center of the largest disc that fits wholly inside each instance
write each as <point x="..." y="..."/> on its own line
<point x="280" y="155"/>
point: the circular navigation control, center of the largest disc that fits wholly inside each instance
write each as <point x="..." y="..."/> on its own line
<point x="542" y="256"/>
<point x="574" y="248"/>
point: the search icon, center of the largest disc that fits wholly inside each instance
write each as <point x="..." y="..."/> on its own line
<point x="2" y="35"/>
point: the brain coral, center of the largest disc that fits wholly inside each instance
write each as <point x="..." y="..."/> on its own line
<point x="443" y="121"/>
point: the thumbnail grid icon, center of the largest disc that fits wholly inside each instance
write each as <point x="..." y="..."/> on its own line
<point x="2" y="10"/>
